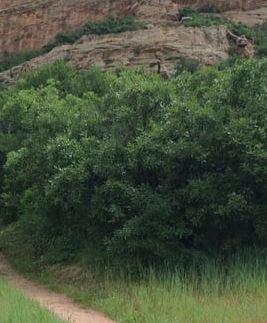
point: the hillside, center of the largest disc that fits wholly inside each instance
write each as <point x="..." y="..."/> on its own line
<point x="140" y="197"/>
<point x="133" y="149"/>
<point x="30" y="25"/>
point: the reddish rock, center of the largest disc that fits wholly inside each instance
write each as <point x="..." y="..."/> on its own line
<point x="28" y="25"/>
<point x="159" y="46"/>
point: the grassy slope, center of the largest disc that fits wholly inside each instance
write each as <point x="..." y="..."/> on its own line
<point x="15" y="308"/>
<point x="217" y="293"/>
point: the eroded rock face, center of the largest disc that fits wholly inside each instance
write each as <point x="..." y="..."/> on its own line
<point x="28" y="25"/>
<point x="147" y="48"/>
<point x="225" y="5"/>
<point x="249" y="17"/>
<point x="157" y="10"/>
<point x="154" y="48"/>
<point x="157" y="48"/>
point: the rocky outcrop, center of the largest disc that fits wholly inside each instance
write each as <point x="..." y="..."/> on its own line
<point x="27" y="25"/>
<point x="147" y="48"/>
<point x="159" y="47"/>
<point x="158" y="10"/>
<point x="240" y="44"/>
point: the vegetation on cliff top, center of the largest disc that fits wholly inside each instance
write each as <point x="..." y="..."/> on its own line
<point x="152" y="187"/>
<point x="257" y="34"/>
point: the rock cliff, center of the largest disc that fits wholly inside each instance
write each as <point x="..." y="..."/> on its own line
<point x="157" y="49"/>
<point x="28" y="25"/>
<point x="31" y="24"/>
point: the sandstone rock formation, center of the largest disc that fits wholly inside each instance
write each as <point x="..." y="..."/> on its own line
<point x="31" y="24"/>
<point x="249" y="17"/>
<point x="159" y="45"/>
<point x="163" y="44"/>
<point x="28" y="25"/>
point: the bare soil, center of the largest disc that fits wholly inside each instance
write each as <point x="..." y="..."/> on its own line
<point x="59" y="304"/>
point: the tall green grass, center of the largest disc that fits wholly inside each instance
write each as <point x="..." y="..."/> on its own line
<point x="15" y="308"/>
<point x="232" y="290"/>
<point x="214" y="292"/>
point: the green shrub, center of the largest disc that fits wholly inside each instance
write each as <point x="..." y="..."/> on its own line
<point x="205" y="18"/>
<point x="200" y="18"/>
<point x="141" y="168"/>
<point x="186" y="65"/>
<point x="261" y="39"/>
<point x="209" y="8"/>
<point x="186" y="12"/>
<point x="10" y="60"/>
<point x="107" y="26"/>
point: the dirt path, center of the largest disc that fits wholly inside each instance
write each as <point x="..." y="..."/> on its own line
<point x="59" y="304"/>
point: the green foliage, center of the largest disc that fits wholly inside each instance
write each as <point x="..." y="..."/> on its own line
<point x="204" y="17"/>
<point x="261" y="39"/>
<point x="136" y="165"/>
<point x="186" y="12"/>
<point x="204" y="8"/>
<point x="202" y="20"/>
<point x="240" y="29"/>
<point x="106" y="26"/>
<point x="209" y="8"/>
<point x="10" y="60"/>
<point x="233" y="289"/>
<point x="186" y="65"/>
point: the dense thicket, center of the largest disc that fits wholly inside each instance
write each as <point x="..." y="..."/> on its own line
<point x="137" y="165"/>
